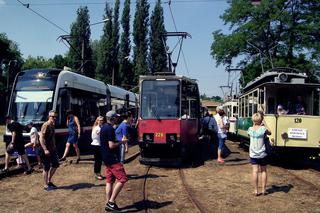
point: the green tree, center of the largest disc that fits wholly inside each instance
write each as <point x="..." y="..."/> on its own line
<point x="275" y="33"/>
<point x="80" y="53"/>
<point x="59" y="61"/>
<point x="115" y="41"/>
<point x="140" y="32"/>
<point x="37" y="63"/>
<point x="158" y="56"/>
<point x="105" y="51"/>
<point x="10" y="60"/>
<point x="125" y="70"/>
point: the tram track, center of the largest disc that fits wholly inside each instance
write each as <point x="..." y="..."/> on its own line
<point x="144" y="189"/>
<point x="189" y="192"/>
<point x="301" y="179"/>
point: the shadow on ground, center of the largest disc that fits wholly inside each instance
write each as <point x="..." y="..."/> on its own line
<point x="79" y="186"/>
<point x="143" y="205"/>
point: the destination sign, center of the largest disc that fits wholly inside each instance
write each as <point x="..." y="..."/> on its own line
<point x="297" y="133"/>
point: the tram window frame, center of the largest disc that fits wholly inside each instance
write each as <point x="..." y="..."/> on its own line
<point x="255" y="101"/>
<point x="190" y="97"/>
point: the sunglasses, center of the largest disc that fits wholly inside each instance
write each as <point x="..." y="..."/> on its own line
<point x="53" y="116"/>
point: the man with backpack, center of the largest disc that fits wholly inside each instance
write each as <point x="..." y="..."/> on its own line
<point x="209" y="133"/>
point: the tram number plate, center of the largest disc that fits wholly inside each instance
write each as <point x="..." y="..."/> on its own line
<point x="158" y="134"/>
<point x="297" y="133"/>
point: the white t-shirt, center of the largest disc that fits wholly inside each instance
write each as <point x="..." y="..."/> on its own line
<point x="219" y="120"/>
<point x="34" y="137"/>
<point x="95" y="135"/>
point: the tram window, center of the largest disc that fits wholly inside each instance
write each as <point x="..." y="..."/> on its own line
<point x="271" y="105"/>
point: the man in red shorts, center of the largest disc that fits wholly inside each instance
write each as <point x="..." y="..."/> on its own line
<point x="111" y="157"/>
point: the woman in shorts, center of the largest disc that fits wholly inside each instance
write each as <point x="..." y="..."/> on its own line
<point x="257" y="152"/>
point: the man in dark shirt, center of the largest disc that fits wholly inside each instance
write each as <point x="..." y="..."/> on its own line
<point x="114" y="170"/>
<point x="49" y="155"/>
<point x="16" y="144"/>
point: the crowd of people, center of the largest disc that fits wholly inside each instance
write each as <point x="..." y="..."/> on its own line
<point x="110" y="143"/>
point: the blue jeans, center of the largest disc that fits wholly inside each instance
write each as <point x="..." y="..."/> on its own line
<point x="221" y="140"/>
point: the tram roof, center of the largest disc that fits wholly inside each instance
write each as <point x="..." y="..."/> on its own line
<point x="120" y="93"/>
<point x="289" y="75"/>
<point x="167" y="77"/>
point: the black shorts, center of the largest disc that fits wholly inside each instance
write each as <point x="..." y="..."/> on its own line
<point x="19" y="148"/>
<point x="49" y="161"/>
<point x="259" y="161"/>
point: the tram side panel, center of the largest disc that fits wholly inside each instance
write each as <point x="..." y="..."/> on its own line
<point x="296" y="131"/>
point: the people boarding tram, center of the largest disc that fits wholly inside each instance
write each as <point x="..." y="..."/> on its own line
<point x="37" y="91"/>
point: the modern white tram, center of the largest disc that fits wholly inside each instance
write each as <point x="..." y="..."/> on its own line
<point x="37" y="91"/>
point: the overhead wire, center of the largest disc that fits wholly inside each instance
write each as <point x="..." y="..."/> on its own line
<point x="175" y="26"/>
<point x="51" y="22"/>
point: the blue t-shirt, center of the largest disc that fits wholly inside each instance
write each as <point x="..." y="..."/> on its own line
<point x="122" y="130"/>
<point x="109" y="156"/>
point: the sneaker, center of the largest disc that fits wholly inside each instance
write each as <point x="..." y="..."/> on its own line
<point x="4" y="170"/>
<point x="52" y="185"/>
<point x="47" y="188"/>
<point x="28" y="172"/>
<point x="110" y="206"/>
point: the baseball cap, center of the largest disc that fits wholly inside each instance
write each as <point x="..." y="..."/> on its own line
<point x="219" y="107"/>
<point x="112" y="114"/>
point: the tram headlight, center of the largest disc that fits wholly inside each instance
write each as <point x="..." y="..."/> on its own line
<point x="283" y="77"/>
<point x="171" y="138"/>
<point x="148" y="137"/>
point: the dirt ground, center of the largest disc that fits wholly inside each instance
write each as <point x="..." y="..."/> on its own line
<point x="218" y="188"/>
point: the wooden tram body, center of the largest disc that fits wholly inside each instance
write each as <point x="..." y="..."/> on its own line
<point x="282" y="86"/>
<point x="169" y="115"/>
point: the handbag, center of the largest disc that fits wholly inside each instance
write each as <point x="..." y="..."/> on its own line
<point x="268" y="146"/>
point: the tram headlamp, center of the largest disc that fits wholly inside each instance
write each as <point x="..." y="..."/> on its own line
<point x="171" y="138"/>
<point x="283" y="77"/>
<point x="148" y="137"/>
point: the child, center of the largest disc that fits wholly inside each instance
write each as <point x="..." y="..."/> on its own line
<point x="257" y="152"/>
<point x="34" y="141"/>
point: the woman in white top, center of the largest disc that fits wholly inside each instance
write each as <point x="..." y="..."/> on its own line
<point x="95" y="135"/>
<point x="222" y="124"/>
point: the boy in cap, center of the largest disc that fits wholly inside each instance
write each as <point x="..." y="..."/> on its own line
<point x="114" y="170"/>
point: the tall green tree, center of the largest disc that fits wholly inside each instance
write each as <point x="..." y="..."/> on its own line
<point x="115" y="41"/>
<point x="105" y="52"/>
<point x="157" y="53"/>
<point x="10" y="60"/>
<point x="59" y="61"/>
<point x="125" y="70"/>
<point x="80" y="53"/>
<point x="140" y="32"/>
<point x="275" y="33"/>
<point x="37" y="62"/>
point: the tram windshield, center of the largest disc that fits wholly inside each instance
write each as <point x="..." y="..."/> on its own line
<point x="160" y="99"/>
<point x="31" y="100"/>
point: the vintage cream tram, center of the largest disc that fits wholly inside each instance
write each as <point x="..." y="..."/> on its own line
<point x="286" y="89"/>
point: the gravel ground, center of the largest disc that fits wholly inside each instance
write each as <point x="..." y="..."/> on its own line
<point x="218" y="188"/>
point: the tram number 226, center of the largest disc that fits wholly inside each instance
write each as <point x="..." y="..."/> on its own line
<point x="158" y="134"/>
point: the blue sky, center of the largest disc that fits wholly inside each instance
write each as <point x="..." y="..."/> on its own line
<point x="37" y="37"/>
